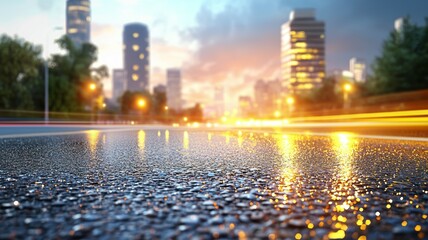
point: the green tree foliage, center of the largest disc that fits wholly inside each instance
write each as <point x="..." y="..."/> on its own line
<point x="20" y="62"/>
<point x="327" y="92"/>
<point x="159" y="103"/>
<point x="71" y="74"/>
<point x="22" y="75"/>
<point x="403" y="63"/>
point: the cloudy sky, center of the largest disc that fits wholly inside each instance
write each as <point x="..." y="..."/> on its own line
<point x="224" y="43"/>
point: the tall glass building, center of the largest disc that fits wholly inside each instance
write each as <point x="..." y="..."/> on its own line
<point x="78" y="22"/>
<point x="302" y="52"/>
<point x="136" y="56"/>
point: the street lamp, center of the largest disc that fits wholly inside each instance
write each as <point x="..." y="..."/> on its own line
<point x="92" y="87"/>
<point x="141" y="104"/>
<point x="347" y="89"/>
<point x="47" y="77"/>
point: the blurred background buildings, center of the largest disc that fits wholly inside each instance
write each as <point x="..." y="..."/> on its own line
<point x="136" y="53"/>
<point x="78" y="21"/>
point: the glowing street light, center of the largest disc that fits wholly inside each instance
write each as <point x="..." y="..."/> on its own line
<point x="347" y="87"/>
<point x="166" y="108"/>
<point x="185" y="119"/>
<point x="92" y="86"/>
<point x="277" y="114"/>
<point x="290" y="100"/>
<point x="141" y="103"/>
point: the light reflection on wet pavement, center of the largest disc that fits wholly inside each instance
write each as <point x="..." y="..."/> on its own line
<point x="192" y="184"/>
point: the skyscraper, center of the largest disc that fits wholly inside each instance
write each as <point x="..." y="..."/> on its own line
<point x="78" y="22"/>
<point x="303" y="52"/>
<point x="136" y="56"/>
<point x="119" y="83"/>
<point x="173" y="89"/>
<point x="358" y="69"/>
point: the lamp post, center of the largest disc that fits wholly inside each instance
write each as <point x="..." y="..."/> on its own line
<point x="347" y="89"/>
<point x="92" y="87"/>
<point x="47" y="77"/>
<point x="141" y="104"/>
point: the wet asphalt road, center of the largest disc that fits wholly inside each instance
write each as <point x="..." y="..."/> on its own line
<point x="200" y="184"/>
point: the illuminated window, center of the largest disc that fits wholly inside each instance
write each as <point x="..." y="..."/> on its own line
<point x="294" y="63"/>
<point x="322" y="36"/>
<point x="301" y="35"/>
<point x="142" y="56"/>
<point x="301" y="44"/>
<point x="135" y="77"/>
<point x="305" y="86"/>
<point x="135" y="47"/>
<point x="72" y="30"/>
<point x="88" y="19"/>
<point x="148" y="49"/>
<point x="78" y="8"/>
<point x="135" y="67"/>
<point x="135" y="35"/>
<point x="301" y="74"/>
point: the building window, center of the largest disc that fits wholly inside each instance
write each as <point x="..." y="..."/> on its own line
<point x="142" y="56"/>
<point x="135" y="35"/>
<point x="78" y="8"/>
<point x="135" y="77"/>
<point x="135" y="67"/>
<point x="72" y="30"/>
<point x="135" y="47"/>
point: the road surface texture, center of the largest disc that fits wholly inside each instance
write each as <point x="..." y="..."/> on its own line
<point x="194" y="184"/>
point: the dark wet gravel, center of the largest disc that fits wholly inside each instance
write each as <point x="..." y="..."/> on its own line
<point x="199" y="185"/>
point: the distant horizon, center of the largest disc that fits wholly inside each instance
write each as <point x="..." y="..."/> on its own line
<point x="214" y="43"/>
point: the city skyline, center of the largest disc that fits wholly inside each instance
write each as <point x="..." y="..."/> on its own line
<point x="190" y="35"/>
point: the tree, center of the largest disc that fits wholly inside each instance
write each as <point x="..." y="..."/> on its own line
<point x="159" y="103"/>
<point x="327" y="92"/>
<point x="20" y="62"/>
<point x="402" y="64"/>
<point x="71" y="74"/>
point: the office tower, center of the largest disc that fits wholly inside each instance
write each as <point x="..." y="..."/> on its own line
<point x="119" y="84"/>
<point x="303" y="52"/>
<point x="136" y="56"/>
<point x="173" y="89"/>
<point x="358" y="69"/>
<point x="78" y="22"/>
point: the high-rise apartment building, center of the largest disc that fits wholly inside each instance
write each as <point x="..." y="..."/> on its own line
<point x="119" y="83"/>
<point x="358" y="69"/>
<point x="173" y="89"/>
<point x="136" y="56"/>
<point x="78" y="22"/>
<point x="302" y="52"/>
